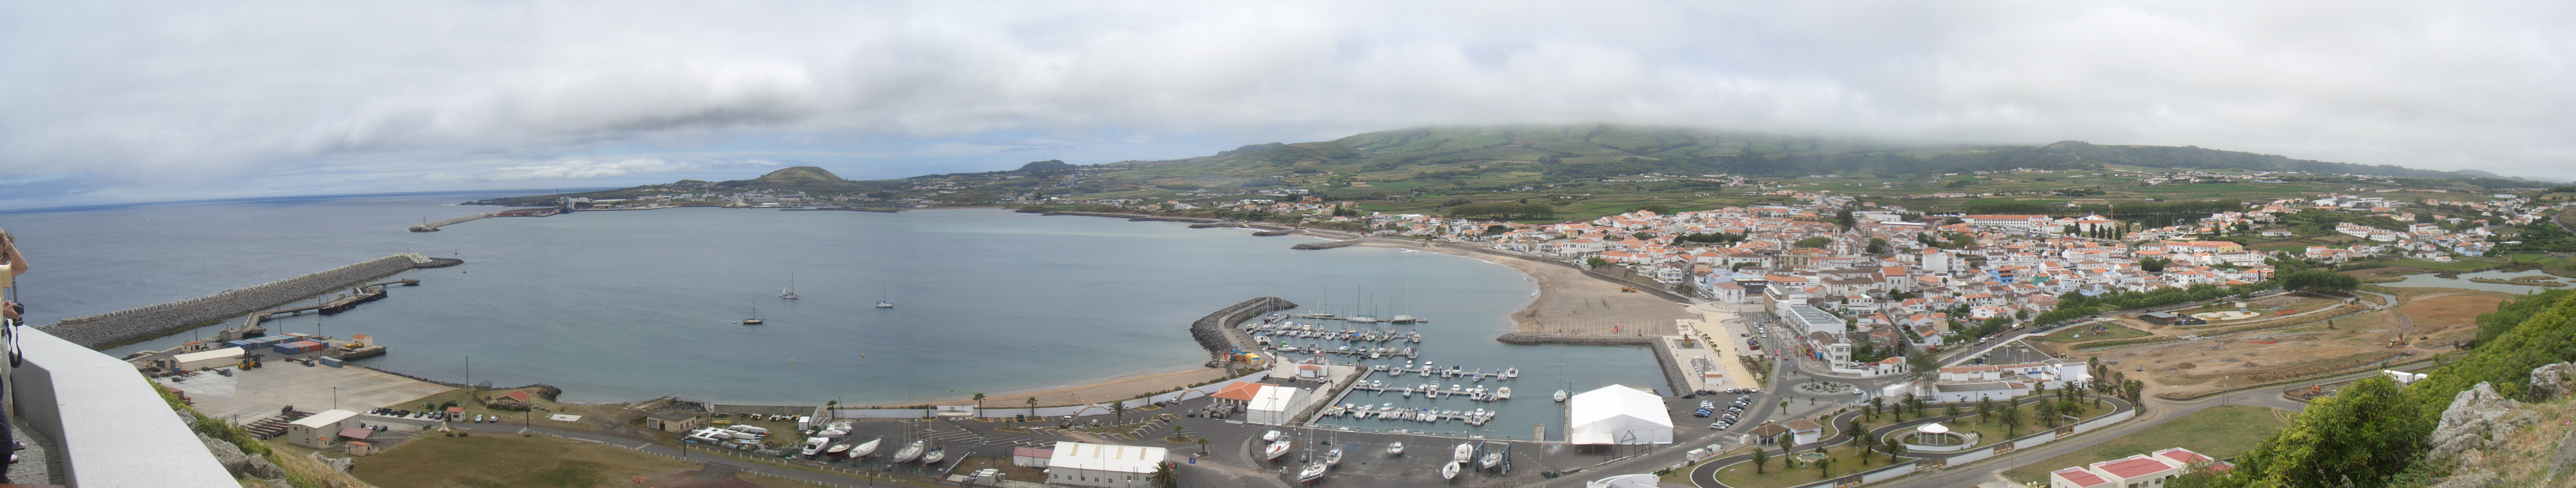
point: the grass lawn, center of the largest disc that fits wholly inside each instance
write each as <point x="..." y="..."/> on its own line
<point x="2109" y="331"/>
<point x="2219" y="432"/>
<point x="1842" y="461"/>
<point x="510" y="460"/>
<point x="1009" y="472"/>
<point x="1991" y="431"/>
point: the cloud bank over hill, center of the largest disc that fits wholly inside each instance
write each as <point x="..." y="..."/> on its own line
<point x="119" y="99"/>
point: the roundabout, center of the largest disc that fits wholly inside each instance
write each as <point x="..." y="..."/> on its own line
<point x="1934" y="437"/>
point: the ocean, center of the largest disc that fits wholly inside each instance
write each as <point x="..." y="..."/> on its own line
<point x="629" y="305"/>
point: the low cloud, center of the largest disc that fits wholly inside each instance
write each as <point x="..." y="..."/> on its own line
<point x="183" y="94"/>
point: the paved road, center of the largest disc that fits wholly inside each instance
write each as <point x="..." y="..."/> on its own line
<point x="1705" y="474"/>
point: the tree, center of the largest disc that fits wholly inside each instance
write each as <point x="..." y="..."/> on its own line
<point x="1203" y="444"/>
<point x="979" y="404"/>
<point x="1877" y="246"/>
<point x="1844" y="218"/>
<point x="1595" y="262"/>
<point x="1861" y="436"/>
<point x="1033" y="406"/>
<point x="2047" y="410"/>
<point x="1824" y="467"/>
<point x="1894" y="450"/>
<point x="2360" y="436"/>
<point x="1874" y="404"/>
<point x="1761" y="457"/>
<point x="2153" y="265"/>
<point x="2130" y="390"/>
<point x="1496" y="229"/>
<point x="1922" y="362"/>
<point x="1164" y="476"/>
<point x="2011" y="418"/>
<point x="2319" y="280"/>
<point x="1953" y="411"/>
<point x="1985" y="409"/>
<point x="1813" y="242"/>
<point x="1787" y="439"/>
<point x="1657" y="208"/>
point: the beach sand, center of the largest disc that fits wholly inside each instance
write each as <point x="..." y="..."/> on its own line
<point x="1570" y="302"/>
<point x="1113" y="389"/>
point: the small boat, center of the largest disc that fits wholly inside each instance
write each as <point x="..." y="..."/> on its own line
<point x="883" y="304"/>
<point x="1513" y="372"/>
<point x="790" y="291"/>
<point x="1311" y="473"/>
<point x="1449" y="471"/>
<point x="1361" y="319"/>
<point x="755" y="317"/>
<point x="910" y="451"/>
<point x="1395" y="449"/>
<point x="1270" y="436"/>
<point x="1403" y="319"/>
<point x="938" y="453"/>
<point x="1466" y="452"/>
<point x="1333" y="457"/>
<point x="1560" y="395"/>
<point x="815" y="445"/>
<point x="1275" y="450"/>
<point x="1504" y="393"/>
<point x="865" y="448"/>
<point x="1492" y="459"/>
<point x="837" y="450"/>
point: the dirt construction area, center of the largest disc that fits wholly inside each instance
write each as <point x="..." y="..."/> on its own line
<point x="2427" y="322"/>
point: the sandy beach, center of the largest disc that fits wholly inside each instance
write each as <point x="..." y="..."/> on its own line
<point x="1570" y="302"/>
<point x="1113" y="389"/>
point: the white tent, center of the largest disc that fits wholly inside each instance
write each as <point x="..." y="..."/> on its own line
<point x="1618" y="415"/>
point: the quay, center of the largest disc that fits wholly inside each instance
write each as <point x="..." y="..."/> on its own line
<point x="432" y="226"/>
<point x="847" y="209"/>
<point x="145" y="322"/>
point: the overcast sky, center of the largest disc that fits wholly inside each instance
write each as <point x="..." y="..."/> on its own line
<point x="108" y="101"/>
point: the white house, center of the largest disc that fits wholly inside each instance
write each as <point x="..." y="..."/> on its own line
<point x="320" y="430"/>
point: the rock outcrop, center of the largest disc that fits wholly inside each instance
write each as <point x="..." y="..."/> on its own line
<point x="2550" y="381"/>
<point x="2474" y="417"/>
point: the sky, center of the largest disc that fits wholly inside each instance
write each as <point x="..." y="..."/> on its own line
<point x="111" y="101"/>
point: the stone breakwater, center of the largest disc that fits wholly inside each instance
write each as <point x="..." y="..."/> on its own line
<point x="122" y="326"/>
<point x="1664" y="357"/>
<point x="434" y="225"/>
<point x="1326" y="244"/>
<point x="1211" y="330"/>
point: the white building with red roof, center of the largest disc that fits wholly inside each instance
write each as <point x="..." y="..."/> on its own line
<point x="2149" y="470"/>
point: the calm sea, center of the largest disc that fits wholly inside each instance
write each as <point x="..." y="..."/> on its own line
<point x="627" y="305"/>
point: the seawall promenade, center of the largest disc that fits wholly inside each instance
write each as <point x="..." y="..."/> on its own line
<point x="1211" y="330"/>
<point x="122" y="326"/>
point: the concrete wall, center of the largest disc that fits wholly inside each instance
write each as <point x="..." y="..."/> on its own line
<point x="112" y="429"/>
<point x="109" y="329"/>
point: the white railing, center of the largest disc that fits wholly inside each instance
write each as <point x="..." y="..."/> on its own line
<point x="111" y="428"/>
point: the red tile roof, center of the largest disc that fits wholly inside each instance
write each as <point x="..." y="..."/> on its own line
<point x="2135" y="467"/>
<point x="2080" y="477"/>
<point x="1240" y="391"/>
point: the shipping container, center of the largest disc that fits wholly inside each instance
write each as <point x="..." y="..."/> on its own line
<point x="244" y="344"/>
<point x="298" y="347"/>
<point x="331" y="361"/>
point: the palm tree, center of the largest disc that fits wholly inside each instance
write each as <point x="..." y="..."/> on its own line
<point x="2011" y="417"/>
<point x="2047" y="410"/>
<point x="1866" y="442"/>
<point x="979" y="404"/>
<point x="1984" y="407"/>
<point x="1760" y="458"/>
<point x="1164" y="476"/>
<point x="1203" y="444"/>
<point x="1894" y="450"/>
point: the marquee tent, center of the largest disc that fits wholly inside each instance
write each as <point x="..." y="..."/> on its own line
<point x="1618" y="415"/>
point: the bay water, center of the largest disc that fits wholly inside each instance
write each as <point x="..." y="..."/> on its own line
<point x="629" y="305"/>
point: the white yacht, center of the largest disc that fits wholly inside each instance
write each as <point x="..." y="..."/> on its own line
<point x="1333" y="457"/>
<point x="1466" y="452"/>
<point x="865" y="448"/>
<point x="1404" y="319"/>
<point x="1449" y="471"/>
<point x="883" y="304"/>
<point x="910" y="451"/>
<point x="938" y="453"/>
<point x="1560" y="395"/>
<point x="1311" y="473"/>
<point x="1504" y="393"/>
<point x="815" y="445"/>
<point x="1362" y="319"/>
<point x="1275" y="450"/>
<point x="790" y="291"/>
<point x="1512" y="372"/>
<point x="1395" y="449"/>
<point x="1492" y="458"/>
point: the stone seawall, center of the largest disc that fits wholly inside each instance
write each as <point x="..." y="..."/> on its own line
<point x="122" y="326"/>
<point x="434" y="225"/>
<point x="1160" y="218"/>
<point x="1274" y="233"/>
<point x="1673" y="375"/>
<point x="1211" y="225"/>
<point x="1325" y="244"/>
<point x="1210" y="330"/>
<point x="1099" y="214"/>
